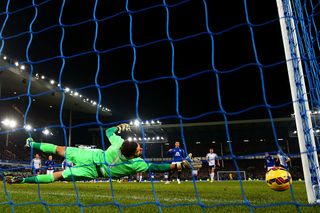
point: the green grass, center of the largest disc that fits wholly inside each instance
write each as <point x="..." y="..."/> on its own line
<point x="139" y="197"/>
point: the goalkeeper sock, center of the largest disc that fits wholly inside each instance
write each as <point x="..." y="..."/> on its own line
<point x="45" y="147"/>
<point x="39" y="179"/>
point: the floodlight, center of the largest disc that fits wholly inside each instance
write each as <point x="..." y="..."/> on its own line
<point x="46" y="132"/>
<point x="28" y="127"/>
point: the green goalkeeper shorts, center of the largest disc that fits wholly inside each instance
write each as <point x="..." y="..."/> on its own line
<point x="84" y="168"/>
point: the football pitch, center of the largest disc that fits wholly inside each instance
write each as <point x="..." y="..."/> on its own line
<point x="219" y="197"/>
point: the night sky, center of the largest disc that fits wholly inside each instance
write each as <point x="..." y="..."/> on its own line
<point x="184" y="70"/>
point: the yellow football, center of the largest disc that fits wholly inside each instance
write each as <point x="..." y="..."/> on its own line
<point x="278" y="179"/>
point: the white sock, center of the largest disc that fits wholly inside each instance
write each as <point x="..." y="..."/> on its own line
<point x="211" y="176"/>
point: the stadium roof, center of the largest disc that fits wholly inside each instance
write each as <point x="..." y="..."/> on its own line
<point x="14" y="85"/>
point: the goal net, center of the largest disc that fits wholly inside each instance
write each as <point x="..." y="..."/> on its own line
<point x="192" y="71"/>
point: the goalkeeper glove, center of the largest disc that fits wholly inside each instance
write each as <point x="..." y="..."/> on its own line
<point x="190" y="163"/>
<point x="28" y="141"/>
<point x="123" y="127"/>
<point x="196" y="163"/>
<point x="183" y="165"/>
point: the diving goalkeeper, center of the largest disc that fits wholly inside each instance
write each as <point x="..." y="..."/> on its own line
<point x="122" y="158"/>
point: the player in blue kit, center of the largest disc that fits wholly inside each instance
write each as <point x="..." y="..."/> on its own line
<point x="270" y="162"/>
<point x="178" y="155"/>
<point x="49" y="165"/>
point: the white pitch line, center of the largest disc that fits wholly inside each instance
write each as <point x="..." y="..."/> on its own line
<point x="170" y="200"/>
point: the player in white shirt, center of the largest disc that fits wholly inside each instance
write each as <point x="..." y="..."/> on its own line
<point x="283" y="160"/>
<point x="212" y="158"/>
<point x="36" y="164"/>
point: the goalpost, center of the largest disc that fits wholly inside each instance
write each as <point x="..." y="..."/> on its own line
<point x="302" y="113"/>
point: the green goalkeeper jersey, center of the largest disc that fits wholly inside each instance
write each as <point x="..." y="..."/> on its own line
<point x="113" y="163"/>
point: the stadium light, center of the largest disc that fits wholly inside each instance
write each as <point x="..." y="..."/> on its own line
<point x="66" y="89"/>
<point x="137" y="123"/>
<point x="9" y="123"/>
<point x="28" y="127"/>
<point x="46" y="132"/>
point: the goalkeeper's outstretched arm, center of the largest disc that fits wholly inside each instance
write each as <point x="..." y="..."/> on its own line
<point x="166" y="167"/>
<point x="185" y="164"/>
<point x="113" y="137"/>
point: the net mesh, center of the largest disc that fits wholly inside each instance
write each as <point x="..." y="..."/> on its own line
<point x="99" y="59"/>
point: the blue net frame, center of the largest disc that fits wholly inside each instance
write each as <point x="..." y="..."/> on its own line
<point x="306" y="18"/>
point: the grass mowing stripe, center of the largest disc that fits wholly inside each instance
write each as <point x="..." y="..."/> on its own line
<point x="171" y="199"/>
<point x="224" y="197"/>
